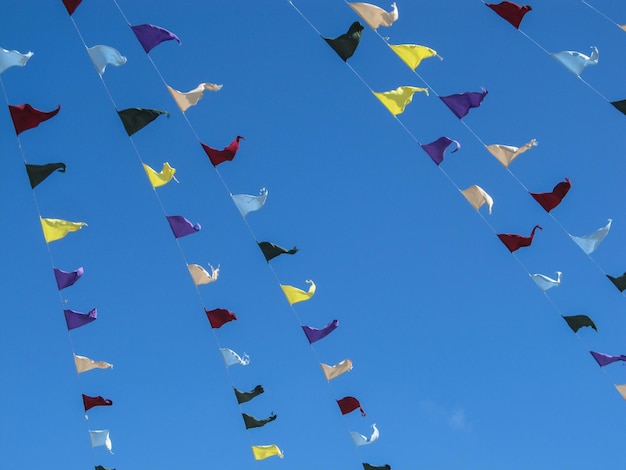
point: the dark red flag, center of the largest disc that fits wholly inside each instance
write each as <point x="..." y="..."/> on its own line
<point x="220" y="156"/>
<point x="26" y="117"/>
<point x="515" y="242"/>
<point x="90" y="402"/>
<point x="349" y="404"/>
<point x="219" y="316"/>
<point x="550" y="200"/>
<point x="510" y="11"/>
<point x="71" y="5"/>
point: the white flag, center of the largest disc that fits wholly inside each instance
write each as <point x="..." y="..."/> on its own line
<point x="361" y="440"/>
<point x="101" y="56"/>
<point x="10" y="59"/>
<point x="545" y="283"/>
<point x="576" y="62"/>
<point x="231" y="358"/>
<point x="246" y="203"/>
<point x="589" y="243"/>
<point x="101" y="438"/>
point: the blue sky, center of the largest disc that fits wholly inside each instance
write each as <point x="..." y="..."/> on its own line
<point x="460" y="359"/>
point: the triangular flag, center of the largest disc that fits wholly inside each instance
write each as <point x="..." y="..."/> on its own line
<point x="510" y="11"/>
<point x="101" y="438"/>
<point x="75" y="319"/>
<point x="437" y="148"/>
<point x="201" y="276"/>
<point x="100" y="467"/>
<point x="185" y="100"/>
<point x="576" y="322"/>
<point x="244" y="397"/>
<point x="507" y="153"/>
<point x="461" y="103"/>
<point x="515" y="242"/>
<point x="10" y="59"/>
<point x="349" y="404"/>
<point x="346" y="44"/>
<point x="26" y="117"/>
<point x="620" y="105"/>
<point x="332" y="372"/>
<point x="90" y="402"/>
<point x="315" y="334"/>
<point x="231" y="358"/>
<point x="295" y="295"/>
<point x="361" y="440"/>
<point x="271" y="251"/>
<point x="84" y="364"/>
<point x="225" y="155"/>
<point x="606" y="359"/>
<point x="367" y="466"/>
<point x="263" y="452"/>
<point x="589" y="243"/>
<point x="219" y="316"/>
<point x="396" y="100"/>
<point x="550" y="200"/>
<point x="576" y="62"/>
<point x="621" y="388"/>
<point x="619" y="282"/>
<point x="71" y="5"/>
<point x="375" y="16"/>
<point x="412" y="54"/>
<point x="246" y="203"/>
<point x="135" y="119"/>
<point x="38" y="173"/>
<point x="545" y="283"/>
<point x="181" y="226"/>
<point x="150" y="35"/>
<point x="477" y="197"/>
<point x="162" y="177"/>
<point x="101" y="56"/>
<point x="55" y="229"/>
<point x="66" y="279"/>
<point x="251" y="422"/>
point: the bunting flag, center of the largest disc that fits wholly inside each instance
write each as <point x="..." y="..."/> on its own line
<point x="181" y="226"/>
<point x="71" y="5"/>
<point x="620" y="105"/>
<point x="619" y="282"/>
<point x="315" y="334"/>
<point x="84" y="364"/>
<point x="437" y="148"/>
<point x="576" y="62"/>
<point x="263" y="452"/>
<point x="100" y="467"/>
<point x="349" y="404"/>
<point x="75" y="319"/>
<point x="346" y="44"/>
<point x="90" y="402"/>
<point x="26" y="117"/>
<point x="221" y="156"/>
<point x="605" y="359"/>
<point x="271" y="251"/>
<point x="332" y="372"/>
<point x="101" y="438"/>
<point x="375" y="16"/>
<point x="412" y="54"/>
<point x="515" y="242"/>
<point x="367" y="466"/>
<point x="38" y="173"/>
<point x="550" y="200"/>
<point x="219" y="317"/>
<point x="589" y="243"/>
<point x="161" y="178"/>
<point x="510" y="11"/>
<point x="295" y="295"/>
<point x="246" y="203"/>
<point x="460" y="104"/>
<point x="507" y="153"/>
<point x="135" y="119"/>
<point x="186" y="100"/>
<point x="55" y="229"/>
<point x="477" y="197"/>
<point x="244" y="397"/>
<point x="150" y="36"/>
<point x="576" y="322"/>
<point x="201" y="276"/>
<point x="545" y="283"/>
<point x="101" y="56"/>
<point x="66" y="279"/>
<point x="396" y="100"/>
<point x="251" y="422"/>
<point x="621" y="388"/>
<point x="10" y="59"/>
<point x="361" y="440"/>
<point x="231" y="358"/>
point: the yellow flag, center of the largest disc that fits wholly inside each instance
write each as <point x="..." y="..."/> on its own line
<point x="83" y="364"/>
<point x="332" y="372"/>
<point x="477" y="196"/>
<point x="412" y="54"/>
<point x="161" y="178"/>
<point x="263" y="452"/>
<point x="185" y="100"/>
<point x="396" y="100"/>
<point x="55" y="229"/>
<point x="295" y="295"/>
<point x="507" y="153"/>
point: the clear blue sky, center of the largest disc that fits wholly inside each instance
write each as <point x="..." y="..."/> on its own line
<point x="459" y="358"/>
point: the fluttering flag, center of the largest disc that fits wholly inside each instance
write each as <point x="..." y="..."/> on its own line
<point x="332" y="372"/>
<point x="546" y="283"/>
<point x="461" y="103"/>
<point x="621" y="388"/>
<point x="510" y="11"/>
<point x="412" y="54"/>
<point x="38" y="173"/>
<point x="367" y="466"/>
<point x="263" y="452"/>
<point x="181" y="226"/>
<point x="620" y="105"/>
<point x="10" y="59"/>
<point x="477" y="197"/>
<point x="251" y="422"/>
<point x="349" y="404"/>
<point x="100" y="467"/>
<point x="576" y="62"/>
<point x="135" y="119"/>
<point x="396" y="100"/>
<point x="150" y="36"/>
<point x="589" y="243"/>
<point x="361" y="440"/>
<point x="295" y="295"/>
<point x="90" y="402"/>
<point x="66" y="279"/>
<point x="71" y="5"/>
<point x="315" y="334"/>
<point x="271" y="251"/>
<point x="186" y="100"/>
<point x="225" y="155"/>
<point x="576" y="322"/>
<point x="55" y="229"/>
<point x="101" y="438"/>
<point x="219" y="316"/>
<point x="101" y="56"/>
<point x="201" y="276"/>
<point x="507" y="153"/>
<point x="84" y="364"/>
<point x="247" y="203"/>
<point x="515" y="242"/>
<point x="346" y="44"/>
<point x="606" y="359"/>
<point x="26" y="117"/>
<point x="162" y="177"/>
<point x="436" y="149"/>
<point x="550" y="200"/>
<point x="244" y="397"/>
<point x="619" y="282"/>
<point x="231" y="358"/>
<point x="75" y="319"/>
<point x="375" y="16"/>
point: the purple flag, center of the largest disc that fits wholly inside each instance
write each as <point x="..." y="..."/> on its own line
<point x="605" y="359"/>
<point x="181" y="226"/>
<point x="150" y="35"/>
<point x="437" y="148"/>
<point x="77" y="319"/>
<point x="314" y="334"/>
<point x="66" y="279"/>
<point x="460" y="104"/>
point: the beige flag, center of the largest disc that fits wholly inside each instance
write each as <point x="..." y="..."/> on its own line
<point x="375" y="16"/>
<point x="622" y="390"/>
<point x="190" y="98"/>
<point x="477" y="197"/>
<point x="507" y="153"/>
<point x="83" y="364"/>
<point x="332" y="372"/>
<point x="201" y="276"/>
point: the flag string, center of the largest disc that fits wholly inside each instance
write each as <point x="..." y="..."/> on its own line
<point x="603" y="15"/>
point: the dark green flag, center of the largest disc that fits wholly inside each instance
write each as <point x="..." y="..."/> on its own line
<point x="620" y="105"/>
<point x="243" y="397"/>
<point x="367" y="466"/>
<point x="135" y="119"/>
<point x="576" y="322"/>
<point x="38" y="173"/>
<point x="100" y="467"/>
<point x="346" y="44"/>
<point x="252" y="422"/>
<point x="619" y="282"/>
<point x="270" y="250"/>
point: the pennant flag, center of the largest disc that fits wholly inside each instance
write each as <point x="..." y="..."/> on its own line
<point x="161" y="178"/>
<point x="38" y="173"/>
<point x="576" y="322"/>
<point x="332" y="372"/>
<point x="589" y="243"/>
<point x="349" y="404"/>
<point x="460" y="104"/>
<point x="135" y="119"/>
<point x="231" y="358"/>
<point x="10" y="59"/>
<point x="181" y="226"/>
<point x="622" y="388"/>
<point x="367" y="466"/>
<point x="186" y="100"/>
<point x="219" y="317"/>
<point x="150" y="36"/>
<point x="361" y="440"/>
<point x="315" y="334"/>
<point x="346" y="44"/>
<point x="66" y="279"/>
<point x="75" y="319"/>
<point x="515" y="242"/>
<point x="295" y="295"/>
<point x="396" y="100"/>
<point x="220" y="156"/>
<point x="246" y="203"/>
<point x="71" y="5"/>
<point x="576" y="62"/>
<point x="507" y="153"/>
<point x="100" y="467"/>
<point x="55" y="229"/>
<point x="605" y="359"/>
<point x="101" y="438"/>
<point x="510" y="11"/>
<point x="263" y="452"/>
<point x="375" y="16"/>
<point x="244" y="397"/>
<point x="619" y="282"/>
<point x="252" y="422"/>
<point x="545" y="283"/>
<point x="26" y="117"/>
<point x="271" y="251"/>
<point x="101" y="56"/>
<point x="412" y="54"/>
<point x="84" y="364"/>
<point x="90" y="402"/>
<point x="437" y="148"/>
<point x="201" y="276"/>
<point x="620" y="105"/>
<point x="477" y="197"/>
<point x="550" y="200"/>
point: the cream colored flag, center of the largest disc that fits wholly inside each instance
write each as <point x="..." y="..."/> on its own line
<point x="190" y="98"/>
<point x="10" y="59"/>
<point x="263" y="452"/>
<point x="623" y="27"/>
<point x="477" y="196"/>
<point x="375" y="16"/>
<point x="162" y="177"/>
<point x="55" y="229"/>
<point x="295" y="295"/>
<point x="396" y="100"/>
<point x="201" y="276"/>
<point x="83" y="364"/>
<point x="622" y="390"/>
<point x="413" y="54"/>
<point x="507" y="153"/>
<point x="332" y="372"/>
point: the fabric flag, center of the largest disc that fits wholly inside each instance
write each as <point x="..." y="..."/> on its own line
<point x="361" y="440"/>
<point x="186" y="100"/>
<point x="75" y="319"/>
<point x="244" y="397"/>
<point x="26" y="117"/>
<point x="271" y="251"/>
<point x="375" y="16"/>
<point x="90" y="402"/>
<point x="251" y="422"/>
<point x="367" y="466"/>
<point x="101" y="438"/>
<point x="605" y="359"/>
<point x="620" y="105"/>
<point x="396" y="100"/>
<point x="515" y="242"/>
<point x="346" y="44"/>
<point x="349" y="404"/>
<point x="477" y="197"/>
<point x="84" y="364"/>
<point x="619" y="282"/>
<point x="201" y="276"/>
<point x="413" y="54"/>
<point x="161" y="178"/>
<point x="507" y="153"/>
<point x="295" y="295"/>
<point x="246" y="203"/>
<point x="460" y="104"/>
<point x="332" y="372"/>
<point x="621" y="388"/>
<point x="437" y="148"/>
<point x="550" y="200"/>
<point x="589" y="243"/>
<point x="231" y="358"/>
<point x="315" y="334"/>
<point x="101" y="56"/>
<point x="38" y="173"/>
<point x="576" y="62"/>
<point x="135" y="119"/>
<point x="576" y="322"/>
<point x="10" y="59"/>
<point x="221" y="156"/>
<point x="263" y="452"/>
<point x="181" y="226"/>
<point x="545" y="283"/>
<point x="150" y="36"/>
<point x="100" y="467"/>
<point x="510" y="11"/>
<point x="55" y="229"/>
<point x="71" y="5"/>
<point x="219" y="317"/>
<point x="66" y="279"/>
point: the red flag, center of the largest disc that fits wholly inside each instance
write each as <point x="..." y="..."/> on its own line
<point x="349" y="404"/>
<point x="26" y="117"/>
<point x="514" y="242"/>
<point x="71" y="5"/>
<point x="510" y="11"/>
<point x="220" y="156"/>
<point x="90" y="402"/>
<point x="550" y="200"/>
<point x="219" y="316"/>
